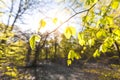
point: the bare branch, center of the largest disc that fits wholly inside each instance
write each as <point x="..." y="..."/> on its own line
<point x="9" y="17"/>
<point x="17" y="15"/>
<point x="87" y="10"/>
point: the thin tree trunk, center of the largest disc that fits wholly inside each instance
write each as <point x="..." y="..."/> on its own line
<point x="28" y="55"/>
<point x="36" y="55"/>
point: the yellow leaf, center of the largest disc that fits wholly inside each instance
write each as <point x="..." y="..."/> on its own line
<point x="116" y="32"/>
<point x="69" y="62"/>
<point x="101" y="33"/>
<point x="91" y="42"/>
<point x="8" y="68"/>
<point x="71" y="55"/>
<point x="81" y="42"/>
<point x="88" y="2"/>
<point x="13" y="74"/>
<point x="73" y="31"/>
<point x="109" y="20"/>
<point x="55" y="20"/>
<point x="96" y="54"/>
<point x="81" y="39"/>
<point x="69" y="31"/>
<point x="97" y="24"/>
<point x="77" y="56"/>
<point x="67" y="34"/>
<point x="42" y="23"/>
<point x="108" y="42"/>
<point x="33" y="39"/>
<point x="103" y="48"/>
<point x="115" y="4"/>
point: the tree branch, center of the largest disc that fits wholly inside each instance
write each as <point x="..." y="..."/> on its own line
<point x="9" y="17"/>
<point x="87" y="10"/>
<point x="17" y="15"/>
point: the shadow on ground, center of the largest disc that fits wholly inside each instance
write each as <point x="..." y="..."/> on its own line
<point x="90" y="71"/>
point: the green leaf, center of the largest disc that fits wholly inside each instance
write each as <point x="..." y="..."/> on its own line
<point x="115" y="4"/>
<point x="96" y="54"/>
<point x="69" y="31"/>
<point x="81" y="39"/>
<point x="69" y="62"/>
<point x="33" y="40"/>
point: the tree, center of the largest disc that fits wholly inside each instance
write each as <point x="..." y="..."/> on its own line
<point x="102" y="25"/>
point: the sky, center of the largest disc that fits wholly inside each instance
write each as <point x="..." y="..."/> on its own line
<point x="48" y="12"/>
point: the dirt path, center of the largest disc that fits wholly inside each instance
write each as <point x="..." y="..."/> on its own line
<point x="90" y="71"/>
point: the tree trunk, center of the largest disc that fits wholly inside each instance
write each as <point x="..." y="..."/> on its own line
<point x="28" y="55"/>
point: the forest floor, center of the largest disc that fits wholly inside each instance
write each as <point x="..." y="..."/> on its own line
<point x="88" y="71"/>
